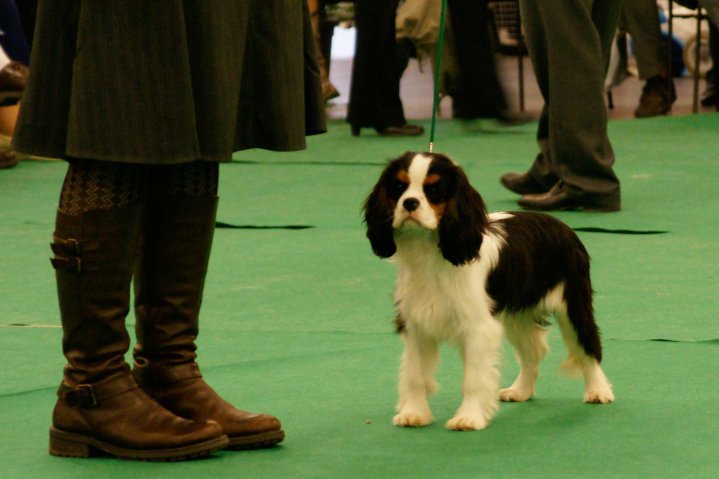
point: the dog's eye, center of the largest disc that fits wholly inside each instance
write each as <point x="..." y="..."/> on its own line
<point x="433" y="192"/>
<point x="399" y="187"/>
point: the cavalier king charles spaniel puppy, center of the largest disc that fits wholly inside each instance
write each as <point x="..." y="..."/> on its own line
<point x="466" y="277"/>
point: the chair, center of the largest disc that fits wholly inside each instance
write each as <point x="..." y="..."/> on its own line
<point x="508" y="36"/>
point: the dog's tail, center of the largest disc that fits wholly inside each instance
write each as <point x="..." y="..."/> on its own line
<point x="580" y="312"/>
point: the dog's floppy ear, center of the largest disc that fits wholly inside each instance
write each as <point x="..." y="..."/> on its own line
<point x="379" y="213"/>
<point x="463" y="223"/>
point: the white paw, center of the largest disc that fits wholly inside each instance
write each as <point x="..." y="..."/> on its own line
<point x="412" y="419"/>
<point x="599" y="395"/>
<point x="514" y="394"/>
<point x="467" y="422"/>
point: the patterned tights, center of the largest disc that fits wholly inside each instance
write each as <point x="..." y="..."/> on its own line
<point x="101" y="185"/>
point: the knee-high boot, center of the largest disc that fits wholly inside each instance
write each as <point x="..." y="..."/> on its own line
<point x="169" y="280"/>
<point x="99" y="406"/>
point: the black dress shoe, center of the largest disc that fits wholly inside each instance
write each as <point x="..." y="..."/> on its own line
<point x="8" y="159"/>
<point x="709" y="97"/>
<point x="559" y="198"/>
<point x="657" y="97"/>
<point x="522" y="184"/>
<point x="403" y="130"/>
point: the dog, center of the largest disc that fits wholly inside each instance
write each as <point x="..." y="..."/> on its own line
<point x="467" y="278"/>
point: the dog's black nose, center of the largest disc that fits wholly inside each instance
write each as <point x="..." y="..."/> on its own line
<point x="411" y="204"/>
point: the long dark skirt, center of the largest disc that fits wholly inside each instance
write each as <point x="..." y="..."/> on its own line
<point x="169" y="81"/>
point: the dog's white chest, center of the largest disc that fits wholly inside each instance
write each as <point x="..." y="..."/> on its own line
<point x="441" y="306"/>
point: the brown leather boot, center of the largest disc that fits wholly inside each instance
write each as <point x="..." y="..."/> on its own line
<point x="169" y="279"/>
<point x="182" y="390"/>
<point x="99" y="407"/>
<point x="116" y="417"/>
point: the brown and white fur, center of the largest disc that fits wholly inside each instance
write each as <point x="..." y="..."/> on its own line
<point x="466" y="277"/>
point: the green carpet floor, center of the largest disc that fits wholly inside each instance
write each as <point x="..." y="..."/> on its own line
<point x="297" y="319"/>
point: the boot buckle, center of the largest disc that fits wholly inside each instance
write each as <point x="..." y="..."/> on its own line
<point x="82" y="395"/>
<point x="72" y="264"/>
<point x="67" y="264"/>
<point x="68" y="246"/>
<point x="86" y="396"/>
<point x="67" y="255"/>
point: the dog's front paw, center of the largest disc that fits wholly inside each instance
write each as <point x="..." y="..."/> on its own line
<point x="599" y="395"/>
<point x="467" y="422"/>
<point x="513" y="394"/>
<point x="412" y="419"/>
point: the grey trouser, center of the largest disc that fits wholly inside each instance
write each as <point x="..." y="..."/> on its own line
<point x="640" y="18"/>
<point x="569" y="43"/>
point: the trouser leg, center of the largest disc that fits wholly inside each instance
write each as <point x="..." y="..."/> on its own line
<point x="641" y="20"/>
<point x="479" y="93"/>
<point x="569" y="46"/>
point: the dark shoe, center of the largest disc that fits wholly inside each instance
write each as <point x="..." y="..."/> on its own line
<point x="657" y="97"/>
<point x="169" y="281"/>
<point x="8" y="159"/>
<point x="404" y="130"/>
<point x="116" y="417"/>
<point x="522" y="184"/>
<point x="12" y="82"/>
<point x="559" y="198"/>
<point x="182" y="390"/>
<point x="709" y="97"/>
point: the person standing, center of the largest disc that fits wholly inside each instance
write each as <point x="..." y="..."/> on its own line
<point x="144" y="100"/>
<point x="640" y="18"/>
<point x="377" y="69"/>
<point x="477" y="91"/>
<point x="569" y="46"/>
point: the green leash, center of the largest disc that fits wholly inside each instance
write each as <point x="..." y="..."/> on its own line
<point x="437" y="73"/>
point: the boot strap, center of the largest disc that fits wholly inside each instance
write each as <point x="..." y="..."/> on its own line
<point x="67" y="264"/>
<point x="67" y="254"/>
<point x="148" y="375"/>
<point x="90" y="395"/>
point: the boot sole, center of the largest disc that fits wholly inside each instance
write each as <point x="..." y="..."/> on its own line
<point x="256" y="441"/>
<point x="68" y="444"/>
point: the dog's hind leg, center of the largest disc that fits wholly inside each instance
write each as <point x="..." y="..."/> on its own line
<point x="415" y="381"/>
<point x="575" y="315"/>
<point x="529" y="340"/>
<point x="581" y="336"/>
<point x="481" y="354"/>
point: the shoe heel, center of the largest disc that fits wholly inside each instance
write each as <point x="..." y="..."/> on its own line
<point x="68" y="445"/>
<point x="356" y="130"/>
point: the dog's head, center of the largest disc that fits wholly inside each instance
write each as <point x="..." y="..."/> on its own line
<point x="431" y="192"/>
